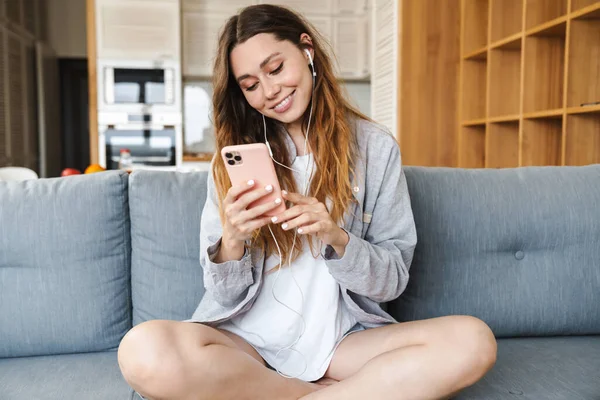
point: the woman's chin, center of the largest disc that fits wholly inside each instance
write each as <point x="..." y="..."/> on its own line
<point x="288" y="117"/>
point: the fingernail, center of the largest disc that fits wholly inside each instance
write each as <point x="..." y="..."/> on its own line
<point x="284" y="191"/>
<point x="278" y="201"/>
<point x="274" y="219"/>
<point x="250" y="182"/>
<point x="299" y="230"/>
<point x="284" y="226"/>
<point x="269" y="188"/>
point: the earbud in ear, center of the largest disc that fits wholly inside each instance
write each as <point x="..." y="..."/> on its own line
<point x="309" y="56"/>
<point x="311" y="61"/>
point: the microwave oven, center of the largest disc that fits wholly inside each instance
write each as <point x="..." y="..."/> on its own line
<point x="139" y="86"/>
<point x="148" y="86"/>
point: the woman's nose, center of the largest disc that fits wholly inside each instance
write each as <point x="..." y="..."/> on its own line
<point x="272" y="89"/>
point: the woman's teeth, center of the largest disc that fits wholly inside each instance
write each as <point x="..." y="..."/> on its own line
<point x="284" y="103"/>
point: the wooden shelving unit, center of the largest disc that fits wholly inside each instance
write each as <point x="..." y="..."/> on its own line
<point x="529" y="91"/>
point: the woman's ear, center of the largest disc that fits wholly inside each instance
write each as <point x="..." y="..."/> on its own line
<point x="306" y="41"/>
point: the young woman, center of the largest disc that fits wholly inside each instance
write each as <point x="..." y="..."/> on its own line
<point x="291" y="308"/>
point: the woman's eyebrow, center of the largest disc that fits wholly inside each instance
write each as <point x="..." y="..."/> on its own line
<point x="266" y="60"/>
<point x="262" y="64"/>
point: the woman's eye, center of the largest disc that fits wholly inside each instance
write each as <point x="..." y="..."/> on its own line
<point x="251" y="88"/>
<point x="277" y="70"/>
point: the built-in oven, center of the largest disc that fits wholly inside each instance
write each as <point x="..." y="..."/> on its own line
<point x="152" y="140"/>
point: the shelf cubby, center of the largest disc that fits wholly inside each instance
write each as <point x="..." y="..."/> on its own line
<point x="504" y="81"/>
<point x="544" y="69"/>
<point x="530" y="91"/>
<point x="542" y="11"/>
<point x="502" y="145"/>
<point x="474" y="89"/>
<point x="542" y="141"/>
<point x="579" y="4"/>
<point x="507" y="18"/>
<point x="472" y="154"/>
<point x="475" y="14"/>
<point x="584" y="55"/>
<point x="583" y="139"/>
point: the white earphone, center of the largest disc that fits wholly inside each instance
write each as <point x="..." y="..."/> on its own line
<point x="311" y="62"/>
<point x="309" y="166"/>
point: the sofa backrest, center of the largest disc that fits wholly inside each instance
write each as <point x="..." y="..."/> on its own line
<point x="518" y="248"/>
<point x="64" y="264"/>
<point x="166" y="276"/>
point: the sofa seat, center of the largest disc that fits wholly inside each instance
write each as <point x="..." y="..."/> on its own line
<point x="552" y="368"/>
<point x="89" y="376"/>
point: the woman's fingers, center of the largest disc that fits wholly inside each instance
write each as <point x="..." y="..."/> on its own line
<point x="258" y="211"/>
<point x="241" y="203"/>
<point x="288" y="214"/>
<point x="235" y="191"/>
<point x="256" y="224"/>
<point x="297" y="198"/>
<point x="303" y="219"/>
<point x="312" y="229"/>
<point x="250" y="197"/>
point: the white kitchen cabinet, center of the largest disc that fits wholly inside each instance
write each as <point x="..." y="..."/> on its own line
<point x="138" y="29"/>
<point x="230" y="7"/>
<point x="357" y="7"/>
<point x="325" y="26"/>
<point x="345" y="24"/>
<point x="306" y="7"/>
<point x="200" y="38"/>
<point x="350" y="38"/>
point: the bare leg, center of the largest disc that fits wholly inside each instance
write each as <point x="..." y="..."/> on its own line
<point x="180" y="360"/>
<point x="419" y="360"/>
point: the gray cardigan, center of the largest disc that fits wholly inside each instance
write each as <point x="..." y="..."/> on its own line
<point x="374" y="268"/>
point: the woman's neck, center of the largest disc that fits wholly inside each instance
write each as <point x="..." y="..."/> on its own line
<point x="295" y="132"/>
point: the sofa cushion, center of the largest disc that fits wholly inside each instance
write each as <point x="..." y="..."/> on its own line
<point x="91" y="376"/>
<point x="518" y="248"/>
<point x="64" y="264"/>
<point x="166" y="276"/>
<point x="559" y="368"/>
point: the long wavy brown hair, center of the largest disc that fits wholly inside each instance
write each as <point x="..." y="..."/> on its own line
<point x="333" y="142"/>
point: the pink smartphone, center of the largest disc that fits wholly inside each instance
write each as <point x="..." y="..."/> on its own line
<point x="252" y="161"/>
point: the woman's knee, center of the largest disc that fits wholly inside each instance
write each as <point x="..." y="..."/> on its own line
<point x="145" y="350"/>
<point x="151" y="357"/>
<point x="475" y="347"/>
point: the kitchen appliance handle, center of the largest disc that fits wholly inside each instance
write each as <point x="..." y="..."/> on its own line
<point x="138" y="127"/>
<point x="144" y="159"/>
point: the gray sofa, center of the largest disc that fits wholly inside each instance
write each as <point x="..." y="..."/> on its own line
<point x="84" y="258"/>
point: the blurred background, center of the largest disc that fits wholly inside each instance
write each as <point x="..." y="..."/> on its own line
<point x="460" y="83"/>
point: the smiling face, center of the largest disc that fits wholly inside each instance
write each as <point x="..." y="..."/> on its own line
<point x="273" y="77"/>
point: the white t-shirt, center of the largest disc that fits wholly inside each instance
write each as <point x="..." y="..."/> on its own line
<point x="270" y="326"/>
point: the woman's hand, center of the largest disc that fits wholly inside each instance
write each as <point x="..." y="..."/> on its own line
<point x="240" y="221"/>
<point x="311" y="217"/>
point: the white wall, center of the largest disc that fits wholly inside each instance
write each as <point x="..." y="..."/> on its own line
<point x="67" y="28"/>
